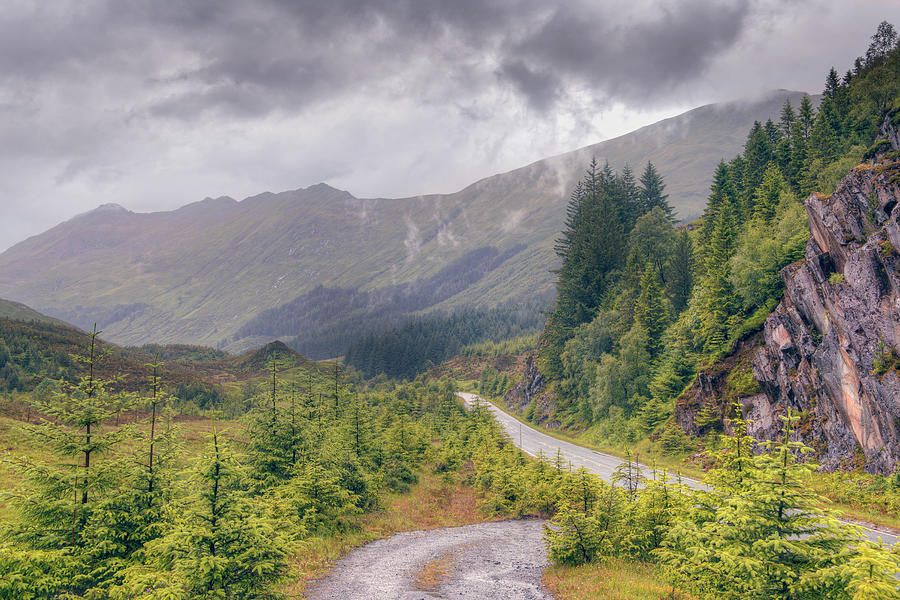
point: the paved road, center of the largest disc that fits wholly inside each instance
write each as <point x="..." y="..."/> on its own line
<point x="487" y="561"/>
<point x="533" y="441"/>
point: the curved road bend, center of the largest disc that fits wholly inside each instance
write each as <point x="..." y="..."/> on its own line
<point x="533" y="441"/>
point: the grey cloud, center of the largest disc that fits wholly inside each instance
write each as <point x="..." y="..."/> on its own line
<point x="155" y="103"/>
<point x="248" y="59"/>
<point x="630" y="61"/>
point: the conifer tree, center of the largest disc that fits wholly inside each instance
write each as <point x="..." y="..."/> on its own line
<point x="222" y="543"/>
<point x="59" y="494"/>
<point x="628" y="474"/>
<point x="680" y="269"/>
<point x="591" y="247"/>
<point x="720" y="192"/>
<point x="768" y="194"/>
<point x="758" y="153"/>
<point x="788" y="117"/>
<point x="718" y="302"/>
<point x="762" y="533"/>
<point x="653" y="194"/>
<point x="650" y="310"/>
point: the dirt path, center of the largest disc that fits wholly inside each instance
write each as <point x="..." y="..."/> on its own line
<point x="489" y="561"/>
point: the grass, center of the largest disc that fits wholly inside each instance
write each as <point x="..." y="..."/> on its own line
<point x="612" y="579"/>
<point x="435" y="572"/>
<point x="433" y="503"/>
<point x="859" y="496"/>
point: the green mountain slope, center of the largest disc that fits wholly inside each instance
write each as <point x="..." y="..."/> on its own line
<point x="19" y="312"/>
<point x="198" y="274"/>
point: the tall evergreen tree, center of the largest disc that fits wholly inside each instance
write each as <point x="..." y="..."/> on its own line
<point x="650" y="310"/>
<point x="591" y="248"/>
<point x="653" y="194"/>
<point x="680" y="269"/>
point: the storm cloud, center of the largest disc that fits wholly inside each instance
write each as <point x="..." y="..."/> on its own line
<point x="155" y="103"/>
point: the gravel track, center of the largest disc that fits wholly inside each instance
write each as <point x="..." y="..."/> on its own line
<point x="502" y="560"/>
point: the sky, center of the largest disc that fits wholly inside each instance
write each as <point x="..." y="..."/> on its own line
<point x="153" y="104"/>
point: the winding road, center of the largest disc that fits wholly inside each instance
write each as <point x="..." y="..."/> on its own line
<point x="533" y="442"/>
<point x="486" y="561"/>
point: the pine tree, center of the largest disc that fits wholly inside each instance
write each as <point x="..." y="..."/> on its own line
<point x="768" y="194"/>
<point x="720" y="192"/>
<point x="788" y="118"/>
<point x="573" y="537"/>
<point x="632" y="199"/>
<point x="761" y="532"/>
<point x="680" y="269"/>
<point x="591" y="247"/>
<point x="653" y="194"/>
<point x="628" y="474"/>
<point x="650" y="309"/>
<point x="758" y="153"/>
<point x="222" y="543"/>
<point x="59" y="494"/>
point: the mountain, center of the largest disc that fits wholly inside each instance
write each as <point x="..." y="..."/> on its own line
<point x="20" y="312"/>
<point x="204" y="273"/>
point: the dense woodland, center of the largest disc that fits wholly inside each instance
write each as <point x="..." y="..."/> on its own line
<point x="642" y="305"/>
<point x="417" y="346"/>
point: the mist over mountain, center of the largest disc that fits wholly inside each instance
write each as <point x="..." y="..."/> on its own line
<point x="201" y="274"/>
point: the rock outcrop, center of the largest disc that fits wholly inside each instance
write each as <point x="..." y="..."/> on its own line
<point x="529" y="396"/>
<point x="832" y="345"/>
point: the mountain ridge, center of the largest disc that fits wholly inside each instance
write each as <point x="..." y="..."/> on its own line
<point x="197" y="274"/>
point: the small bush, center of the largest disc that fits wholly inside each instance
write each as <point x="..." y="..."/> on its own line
<point x="836" y="278"/>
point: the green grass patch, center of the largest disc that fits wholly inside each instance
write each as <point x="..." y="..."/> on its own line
<point x="612" y="579"/>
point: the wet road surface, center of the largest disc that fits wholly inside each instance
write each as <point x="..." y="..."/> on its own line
<point x="502" y="560"/>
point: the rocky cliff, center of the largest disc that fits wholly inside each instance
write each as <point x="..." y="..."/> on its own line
<point x="831" y="348"/>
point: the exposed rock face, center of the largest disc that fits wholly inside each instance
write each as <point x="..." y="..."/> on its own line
<point x="531" y="388"/>
<point x="711" y="391"/>
<point x="839" y="319"/>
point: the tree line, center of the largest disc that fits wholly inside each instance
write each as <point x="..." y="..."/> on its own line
<point x="324" y="322"/>
<point x="417" y="345"/>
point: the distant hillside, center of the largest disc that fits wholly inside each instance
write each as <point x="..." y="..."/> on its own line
<point x="34" y="348"/>
<point x="202" y="273"/>
<point x="19" y="312"/>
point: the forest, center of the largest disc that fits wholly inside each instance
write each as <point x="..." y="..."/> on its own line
<point x="324" y="322"/>
<point x="418" y="345"/>
<point x="643" y="305"/>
